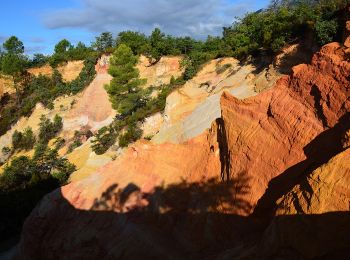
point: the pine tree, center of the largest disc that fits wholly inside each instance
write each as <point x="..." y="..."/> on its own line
<point x="124" y="90"/>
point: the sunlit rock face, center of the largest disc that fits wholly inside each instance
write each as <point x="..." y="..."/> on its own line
<point x="268" y="180"/>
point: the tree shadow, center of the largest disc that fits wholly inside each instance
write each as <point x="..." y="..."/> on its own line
<point x="178" y="221"/>
<point x="181" y="221"/>
<point x="15" y="206"/>
<point x="319" y="151"/>
<point x="302" y="54"/>
<point x="225" y="153"/>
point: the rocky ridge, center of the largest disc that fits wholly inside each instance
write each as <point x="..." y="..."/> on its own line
<point x="268" y="180"/>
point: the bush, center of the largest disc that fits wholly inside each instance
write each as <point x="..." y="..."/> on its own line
<point x="48" y="129"/>
<point x="223" y="68"/>
<point x="6" y="150"/>
<point x="285" y="21"/>
<point x="25" y="140"/>
<point x="325" y="31"/>
<point x="23" y="184"/>
<point x="85" y="77"/>
<point x="76" y="142"/>
<point x="132" y="134"/>
<point x="104" y="139"/>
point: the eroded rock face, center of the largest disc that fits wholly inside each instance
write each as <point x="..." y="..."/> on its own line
<point x="160" y="73"/>
<point x="327" y="189"/>
<point x="313" y="219"/>
<point x="281" y="128"/>
<point x="232" y="192"/>
<point x="134" y="207"/>
<point x="191" y="109"/>
<point x="69" y="71"/>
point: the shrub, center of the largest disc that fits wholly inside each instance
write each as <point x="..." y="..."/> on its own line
<point x="25" y="181"/>
<point x="223" y="68"/>
<point x="25" y="140"/>
<point x="76" y="141"/>
<point x="16" y="140"/>
<point x="6" y="150"/>
<point x="48" y="129"/>
<point x="132" y="134"/>
<point x="325" y="31"/>
<point x="104" y="139"/>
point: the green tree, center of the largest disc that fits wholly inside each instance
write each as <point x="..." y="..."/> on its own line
<point x="48" y="129"/>
<point x="137" y="42"/>
<point x="62" y="46"/>
<point x="25" y="140"/>
<point x="132" y="134"/>
<point x="13" y="62"/>
<point x="13" y="45"/>
<point x="124" y="90"/>
<point x="105" y="138"/>
<point x="61" y="53"/>
<point x="38" y="60"/>
<point x="158" y="46"/>
<point x="104" y="42"/>
<point x="325" y="31"/>
<point x="16" y="139"/>
<point x="29" y="139"/>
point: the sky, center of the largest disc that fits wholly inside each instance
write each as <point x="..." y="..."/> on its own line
<point x="40" y="24"/>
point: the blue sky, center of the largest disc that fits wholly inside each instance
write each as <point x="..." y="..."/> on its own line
<point x="41" y="23"/>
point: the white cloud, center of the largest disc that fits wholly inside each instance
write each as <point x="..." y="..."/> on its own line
<point x="197" y="18"/>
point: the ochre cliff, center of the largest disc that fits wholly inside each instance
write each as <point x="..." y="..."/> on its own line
<point x="268" y="134"/>
<point x="69" y="71"/>
<point x="270" y="174"/>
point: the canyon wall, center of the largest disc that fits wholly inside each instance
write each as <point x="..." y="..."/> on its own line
<point x="269" y="180"/>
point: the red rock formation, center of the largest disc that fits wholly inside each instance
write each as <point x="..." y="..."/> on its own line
<point x="165" y="201"/>
<point x="269" y="133"/>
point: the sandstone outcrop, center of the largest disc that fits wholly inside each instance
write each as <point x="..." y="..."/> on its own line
<point x="160" y="73"/>
<point x="191" y="109"/>
<point x="6" y="85"/>
<point x="268" y="180"/>
<point x="69" y="71"/>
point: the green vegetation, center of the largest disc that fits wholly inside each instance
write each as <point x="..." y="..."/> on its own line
<point x="124" y="90"/>
<point x="38" y="60"/>
<point x="138" y="42"/>
<point x="25" y="181"/>
<point x="76" y="141"/>
<point x="104" y="139"/>
<point x="268" y="30"/>
<point x="325" y="31"/>
<point x="26" y="140"/>
<point x="265" y="31"/>
<point x="283" y="22"/>
<point x="45" y="90"/>
<point x="132" y="102"/>
<point x="104" y="42"/>
<point x="23" y="171"/>
<point x="65" y="51"/>
<point x="23" y="141"/>
<point x="13" y="62"/>
<point x="6" y="150"/>
<point x="48" y="129"/>
<point x="221" y="69"/>
<point x="132" y="134"/>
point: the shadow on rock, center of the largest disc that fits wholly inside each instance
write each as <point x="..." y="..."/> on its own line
<point x="182" y="221"/>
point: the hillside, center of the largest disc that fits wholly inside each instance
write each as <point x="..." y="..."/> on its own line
<point x="169" y="147"/>
<point x="268" y="180"/>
